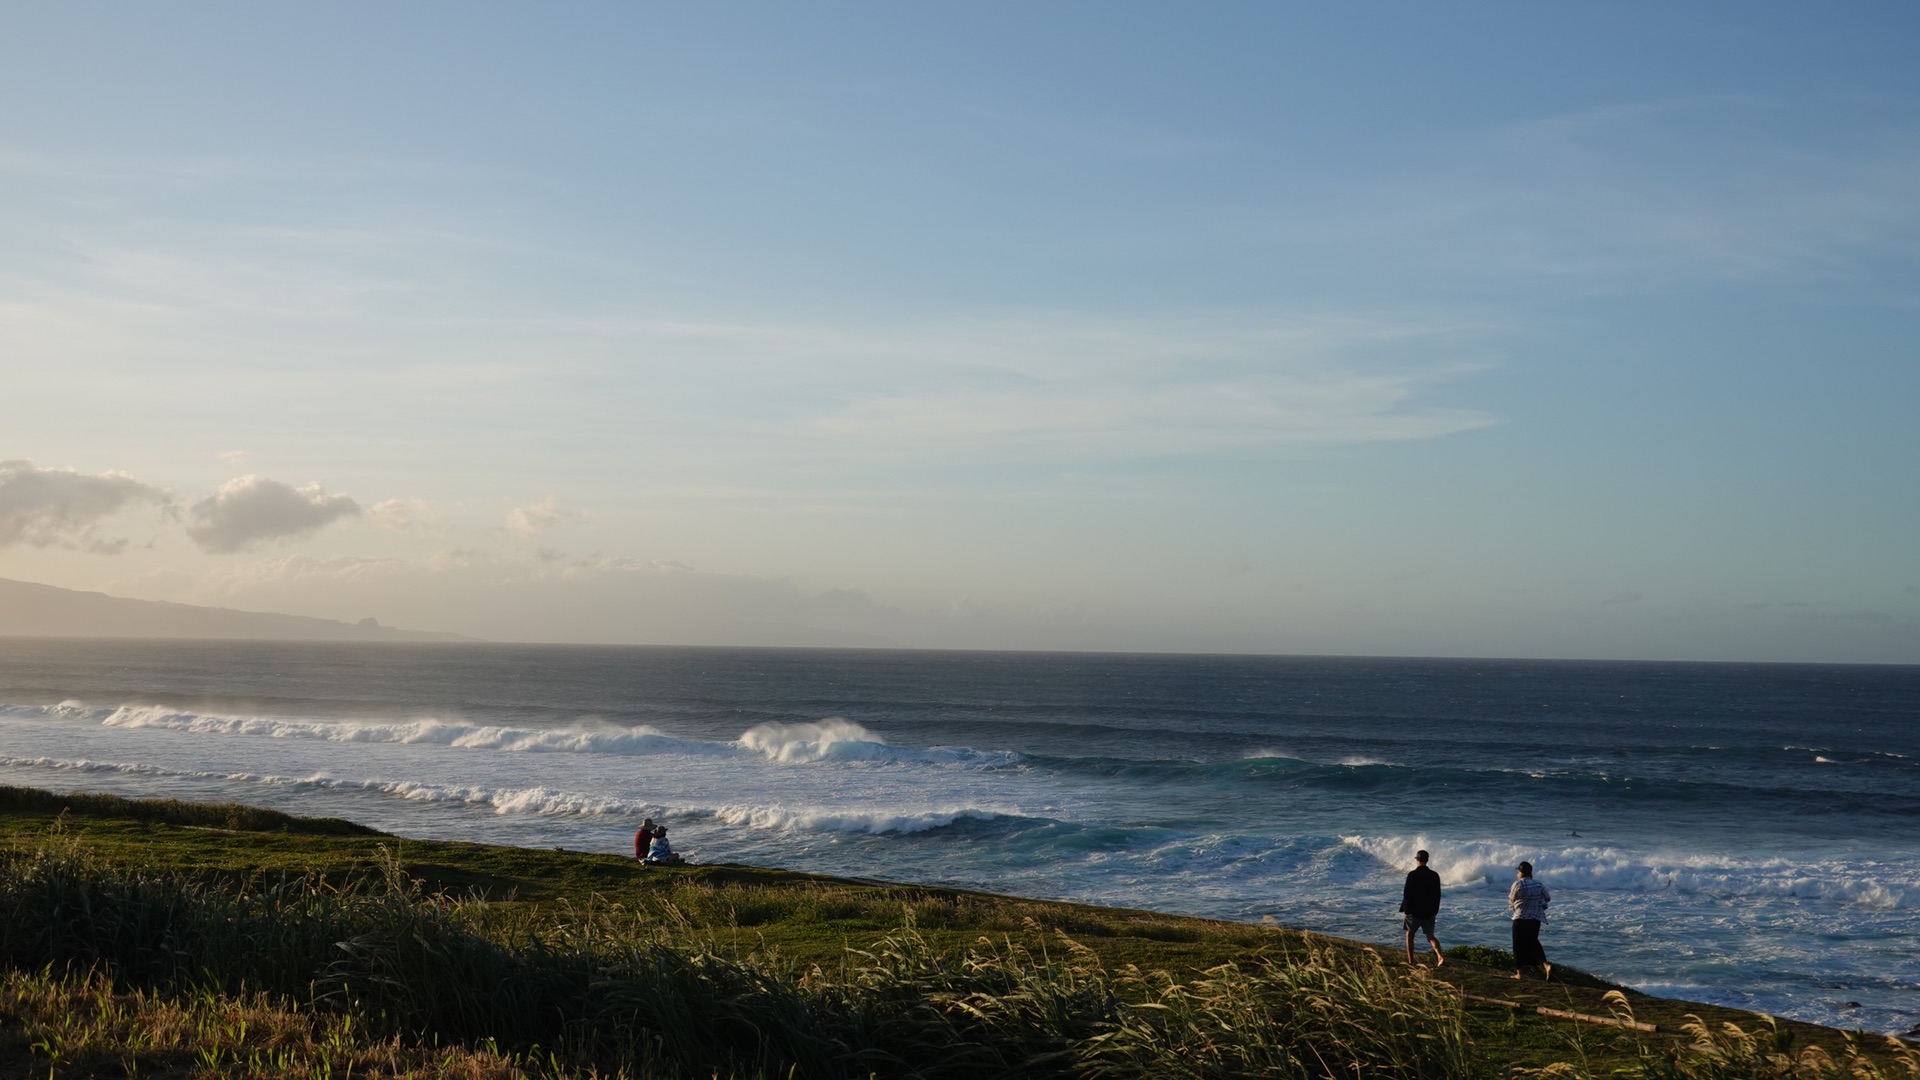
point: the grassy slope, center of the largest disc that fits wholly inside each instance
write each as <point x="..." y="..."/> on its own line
<point x="802" y="919"/>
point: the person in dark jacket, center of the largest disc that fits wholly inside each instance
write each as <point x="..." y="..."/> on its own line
<point x="1420" y="905"/>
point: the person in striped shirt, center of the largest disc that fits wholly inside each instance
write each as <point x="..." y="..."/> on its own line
<point x="1528" y="900"/>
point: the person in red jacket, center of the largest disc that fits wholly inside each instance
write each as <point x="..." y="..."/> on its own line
<point x="643" y="838"/>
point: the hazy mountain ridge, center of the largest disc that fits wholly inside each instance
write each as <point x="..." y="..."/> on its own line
<point x="32" y="610"/>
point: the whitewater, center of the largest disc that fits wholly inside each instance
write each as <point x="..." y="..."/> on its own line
<point x="1739" y="834"/>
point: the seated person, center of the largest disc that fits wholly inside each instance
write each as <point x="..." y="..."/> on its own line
<point x="643" y="838"/>
<point x="660" y="853"/>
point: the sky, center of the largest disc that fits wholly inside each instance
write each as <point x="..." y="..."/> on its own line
<point x="1467" y="330"/>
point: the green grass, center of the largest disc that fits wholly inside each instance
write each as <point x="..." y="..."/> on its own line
<point x="231" y="816"/>
<point x="404" y="957"/>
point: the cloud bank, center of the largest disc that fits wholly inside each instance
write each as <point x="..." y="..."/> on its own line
<point x="549" y="596"/>
<point x="64" y="508"/>
<point x="251" y="509"/>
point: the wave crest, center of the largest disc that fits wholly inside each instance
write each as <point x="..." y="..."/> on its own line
<point x="639" y="739"/>
<point x="869" y="821"/>
<point x="834" y="738"/>
<point x="1476" y="863"/>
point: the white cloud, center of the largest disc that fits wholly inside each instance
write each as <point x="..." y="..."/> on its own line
<point x="250" y="509"/>
<point x="535" y="518"/>
<point x="235" y="459"/>
<point x="64" y="508"/>
<point x="408" y="515"/>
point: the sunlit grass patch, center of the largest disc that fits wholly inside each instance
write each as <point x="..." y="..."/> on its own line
<point x="82" y="1024"/>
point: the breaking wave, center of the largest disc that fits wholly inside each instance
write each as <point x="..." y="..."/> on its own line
<point x="505" y="800"/>
<point x="871" y="821"/>
<point x="1490" y="863"/>
<point x="833" y="739"/>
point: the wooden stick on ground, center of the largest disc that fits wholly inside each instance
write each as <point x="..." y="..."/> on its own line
<point x="1610" y="1021"/>
<point x="1585" y="1018"/>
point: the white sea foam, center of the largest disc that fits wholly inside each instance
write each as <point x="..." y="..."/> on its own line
<point x="531" y="800"/>
<point x="545" y="800"/>
<point x="85" y="765"/>
<point x="1480" y="862"/>
<point x="870" y="820"/>
<point x="1348" y="760"/>
<point x="528" y="800"/>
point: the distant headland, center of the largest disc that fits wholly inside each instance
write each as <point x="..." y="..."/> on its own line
<point x="32" y="610"/>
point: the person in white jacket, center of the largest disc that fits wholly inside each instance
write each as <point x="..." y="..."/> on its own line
<point x="660" y="852"/>
<point x="1528" y="900"/>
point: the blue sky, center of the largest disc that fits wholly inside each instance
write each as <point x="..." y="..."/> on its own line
<point x="1506" y="330"/>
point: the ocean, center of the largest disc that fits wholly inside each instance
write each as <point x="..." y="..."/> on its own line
<point x="1747" y="835"/>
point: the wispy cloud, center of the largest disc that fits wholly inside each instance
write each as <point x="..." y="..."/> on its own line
<point x="408" y="516"/>
<point x="1081" y="387"/>
<point x="1092" y="419"/>
<point x="535" y="518"/>
<point x="1634" y="197"/>
<point x="1055" y="385"/>
<point x="1106" y="137"/>
<point x="211" y="171"/>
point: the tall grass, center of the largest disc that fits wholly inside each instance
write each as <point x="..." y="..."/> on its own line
<point x="607" y="989"/>
<point x="373" y="976"/>
<point x="1309" y="1013"/>
<point x="1730" y="1052"/>
<point x="87" y="1026"/>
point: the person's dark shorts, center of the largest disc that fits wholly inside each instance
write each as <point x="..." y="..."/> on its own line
<point x="1413" y="922"/>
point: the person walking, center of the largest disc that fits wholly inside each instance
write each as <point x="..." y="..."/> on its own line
<point x="1420" y="905"/>
<point x="1528" y="900"/>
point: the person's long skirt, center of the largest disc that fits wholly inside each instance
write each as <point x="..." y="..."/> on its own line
<point x="1526" y="944"/>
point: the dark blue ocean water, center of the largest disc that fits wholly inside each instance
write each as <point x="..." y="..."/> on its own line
<point x="1745" y="834"/>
